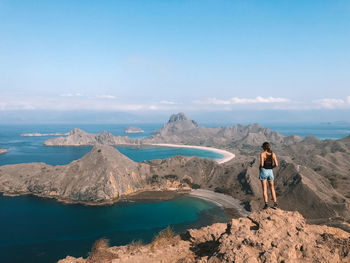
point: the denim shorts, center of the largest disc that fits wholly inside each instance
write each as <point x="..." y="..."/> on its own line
<point x="266" y="174"/>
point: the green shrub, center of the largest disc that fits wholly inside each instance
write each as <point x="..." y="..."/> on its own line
<point x="222" y="190"/>
<point x="171" y="176"/>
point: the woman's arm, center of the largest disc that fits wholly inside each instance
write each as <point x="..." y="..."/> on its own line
<point x="275" y="159"/>
<point x="261" y="159"/>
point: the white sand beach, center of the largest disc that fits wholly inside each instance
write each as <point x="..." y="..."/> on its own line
<point x="225" y="201"/>
<point x="227" y="156"/>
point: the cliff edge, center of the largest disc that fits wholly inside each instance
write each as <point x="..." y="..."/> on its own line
<point x="266" y="236"/>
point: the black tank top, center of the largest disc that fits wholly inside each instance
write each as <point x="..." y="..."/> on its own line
<point x="268" y="163"/>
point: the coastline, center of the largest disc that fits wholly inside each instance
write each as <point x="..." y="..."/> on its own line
<point x="231" y="205"/>
<point x="227" y="156"/>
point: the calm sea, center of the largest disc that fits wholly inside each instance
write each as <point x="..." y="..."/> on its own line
<point x="42" y="230"/>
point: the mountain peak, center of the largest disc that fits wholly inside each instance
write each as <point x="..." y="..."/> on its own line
<point x="76" y="131"/>
<point x="179" y="117"/>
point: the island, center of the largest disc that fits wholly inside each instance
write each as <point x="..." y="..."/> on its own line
<point x="133" y="129"/>
<point x="36" y="134"/>
<point x="3" y="151"/>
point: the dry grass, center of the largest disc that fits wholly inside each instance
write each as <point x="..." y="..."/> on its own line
<point x="99" y="252"/>
<point x="135" y="246"/>
<point x="165" y="237"/>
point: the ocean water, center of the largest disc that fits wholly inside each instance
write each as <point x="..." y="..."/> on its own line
<point x="42" y="230"/>
<point x="31" y="149"/>
<point x="35" y="230"/>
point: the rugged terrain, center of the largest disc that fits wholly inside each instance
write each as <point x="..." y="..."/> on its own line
<point x="313" y="177"/>
<point x="266" y="236"/>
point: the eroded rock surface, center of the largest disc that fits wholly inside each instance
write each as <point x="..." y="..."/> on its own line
<point x="265" y="236"/>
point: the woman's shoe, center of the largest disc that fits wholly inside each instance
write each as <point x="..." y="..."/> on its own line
<point x="266" y="206"/>
<point x="275" y="205"/>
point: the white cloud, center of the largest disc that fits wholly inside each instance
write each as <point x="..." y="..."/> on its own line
<point x="71" y="95"/>
<point x="348" y="100"/>
<point x="106" y="96"/>
<point x="153" y="107"/>
<point x="167" y="102"/>
<point x="237" y="100"/>
<point x="258" y="99"/>
<point x="330" y="103"/>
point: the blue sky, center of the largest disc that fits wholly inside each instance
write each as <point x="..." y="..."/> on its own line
<point x="138" y="56"/>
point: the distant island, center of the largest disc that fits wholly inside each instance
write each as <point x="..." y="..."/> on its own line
<point x="36" y="134"/>
<point x="133" y="129"/>
<point x="180" y="129"/>
<point x="3" y="151"/>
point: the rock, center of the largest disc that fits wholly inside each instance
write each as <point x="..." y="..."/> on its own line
<point x="265" y="236"/>
<point x="3" y="151"/>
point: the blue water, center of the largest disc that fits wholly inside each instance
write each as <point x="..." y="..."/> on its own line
<point x="320" y="130"/>
<point x="31" y="149"/>
<point x="42" y="230"/>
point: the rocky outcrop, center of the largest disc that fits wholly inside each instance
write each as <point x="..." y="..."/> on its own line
<point x="3" y="151"/>
<point x="300" y="189"/>
<point x="79" y="137"/>
<point x="101" y="176"/>
<point x="266" y="236"/>
<point x="132" y="129"/>
<point x="180" y="129"/>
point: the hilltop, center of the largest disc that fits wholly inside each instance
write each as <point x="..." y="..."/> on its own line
<point x="266" y="236"/>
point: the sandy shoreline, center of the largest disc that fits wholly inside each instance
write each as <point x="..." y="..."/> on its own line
<point x="225" y="201"/>
<point x="227" y="156"/>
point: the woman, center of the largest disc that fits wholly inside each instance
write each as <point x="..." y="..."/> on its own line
<point x="268" y="161"/>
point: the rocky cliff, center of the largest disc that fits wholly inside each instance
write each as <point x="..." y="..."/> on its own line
<point x="265" y="236"/>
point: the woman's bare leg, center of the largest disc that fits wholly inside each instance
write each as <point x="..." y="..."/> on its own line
<point x="273" y="193"/>
<point x="264" y="188"/>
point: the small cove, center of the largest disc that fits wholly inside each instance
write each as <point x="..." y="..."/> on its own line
<point x="45" y="230"/>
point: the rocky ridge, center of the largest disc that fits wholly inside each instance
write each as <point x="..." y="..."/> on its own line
<point x="265" y="236"/>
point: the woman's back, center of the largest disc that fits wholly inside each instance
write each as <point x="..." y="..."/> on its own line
<point x="268" y="160"/>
